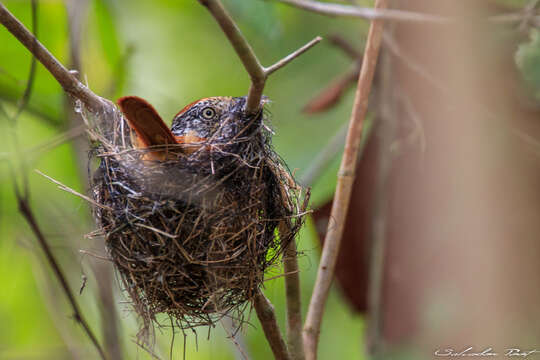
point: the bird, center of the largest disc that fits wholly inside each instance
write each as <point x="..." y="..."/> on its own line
<point x="216" y="124"/>
<point x="216" y="120"/>
<point x="190" y="217"/>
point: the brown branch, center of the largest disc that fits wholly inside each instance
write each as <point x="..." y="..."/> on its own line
<point x="267" y="318"/>
<point x="340" y="42"/>
<point x="364" y="12"/>
<point x="287" y="59"/>
<point x="398" y="15"/>
<point x="332" y="93"/>
<point x="256" y="71"/>
<point x="343" y="189"/>
<point x="293" y="295"/>
<point x="28" y="215"/>
<point x="69" y="83"/>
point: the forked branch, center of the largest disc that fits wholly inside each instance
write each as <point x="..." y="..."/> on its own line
<point x="344" y="186"/>
<point x="256" y="71"/>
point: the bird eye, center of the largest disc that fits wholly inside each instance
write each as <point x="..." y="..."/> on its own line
<point x="208" y="113"/>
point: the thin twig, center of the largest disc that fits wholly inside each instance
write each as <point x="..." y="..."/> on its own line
<point x="256" y="71"/>
<point x="332" y="93"/>
<point x="42" y="148"/>
<point x="72" y="191"/>
<point x="331" y="9"/>
<point x="267" y="318"/>
<point x="282" y="275"/>
<point x="293" y="295"/>
<point x="228" y="325"/>
<point x="324" y="157"/>
<point x="366" y="13"/>
<point x="342" y="195"/>
<point x="27" y="213"/>
<point x="69" y="83"/>
<point x="287" y="59"/>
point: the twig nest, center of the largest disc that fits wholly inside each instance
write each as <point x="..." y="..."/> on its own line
<point x="192" y="234"/>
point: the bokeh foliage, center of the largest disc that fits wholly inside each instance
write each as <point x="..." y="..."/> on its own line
<point x="171" y="53"/>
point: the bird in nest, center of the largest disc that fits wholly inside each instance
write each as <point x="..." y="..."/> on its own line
<point x="213" y="124"/>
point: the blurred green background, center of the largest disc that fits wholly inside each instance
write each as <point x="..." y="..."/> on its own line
<point x="170" y="53"/>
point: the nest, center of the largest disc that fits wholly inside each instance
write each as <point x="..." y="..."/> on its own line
<point x="193" y="236"/>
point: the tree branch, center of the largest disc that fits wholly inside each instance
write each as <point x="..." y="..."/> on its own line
<point x="287" y="59"/>
<point x="256" y="71"/>
<point x="332" y="93"/>
<point x="366" y="13"/>
<point x="340" y="42"/>
<point x="267" y="318"/>
<point x="69" y="83"/>
<point x="399" y="15"/>
<point x="343" y="189"/>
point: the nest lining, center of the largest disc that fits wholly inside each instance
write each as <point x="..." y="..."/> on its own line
<point x="192" y="236"/>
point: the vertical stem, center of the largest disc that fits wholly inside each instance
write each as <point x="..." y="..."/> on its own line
<point x="267" y="318"/>
<point x="342" y="196"/>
